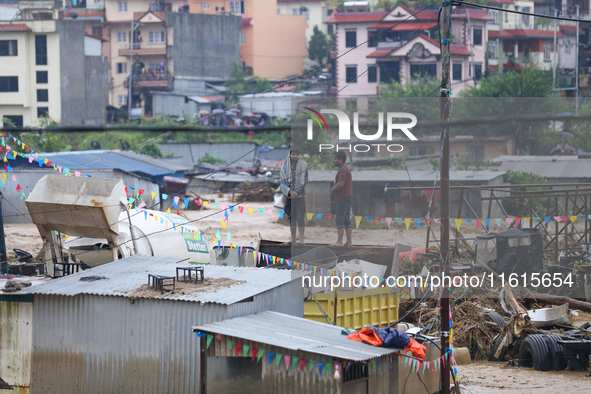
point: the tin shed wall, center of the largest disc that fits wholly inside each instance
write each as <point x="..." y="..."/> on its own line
<point x="287" y="298"/>
<point x="16" y="336"/>
<point x="95" y="344"/>
<point x="276" y="379"/>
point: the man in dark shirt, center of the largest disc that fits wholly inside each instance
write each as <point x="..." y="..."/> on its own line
<point x="342" y="192"/>
<point x="294" y="177"/>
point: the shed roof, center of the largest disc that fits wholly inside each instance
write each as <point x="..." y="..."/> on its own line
<point x="123" y="160"/>
<point x="125" y="275"/>
<point x="297" y="334"/>
<point x="403" y="176"/>
<point x="547" y="166"/>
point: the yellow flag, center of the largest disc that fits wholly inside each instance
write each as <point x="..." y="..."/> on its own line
<point x="168" y="210"/>
<point x="250" y="210"/>
<point x="224" y="223"/>
<point x="23" y="145"/>
<point x="527" y="219"/>
<point x="357" y="221"/>
<point x="407" y="221"/>
<point x="45" y="161"/>
<point x="310" y="215"/>
<point x="205" y="203"/>
<point x="3" y="176"/>
<point x="314" y="270"/>
<point x="155" y="217"/>
<point x="573" y="218"/>
<point x="153" y="195"/>
<point x="5" y="159"/>
<point x="458" y="223"/>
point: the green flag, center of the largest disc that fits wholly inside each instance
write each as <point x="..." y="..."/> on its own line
<point x="296" y="360"/>
<point x="328" y="366"/>
<point x="209" y="338"/>
<point x="312" y="362"/>
<point x="245" y="350"/>
<point x="278" y="358"/>
<point x="261" y="351"/>
<point x="230" y="344"/>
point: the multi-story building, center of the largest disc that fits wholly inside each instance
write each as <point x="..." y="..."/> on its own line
<point x="397" y="46"/>
<point x="315" y="11"/>
<point x="50" y="67"/>
<point x="272" y="45"/>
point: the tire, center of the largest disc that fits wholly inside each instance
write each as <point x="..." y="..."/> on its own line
<point x="556" y="352"/>
<point x="534" y="352"/>
<point x="496" y="318"/>
<point x="494" y="350"/>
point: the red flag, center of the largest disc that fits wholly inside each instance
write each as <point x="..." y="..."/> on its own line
<point x="379" y="219"/>
<point x="48" y="164"/>
<point x="255" y="353"/>
<point x="517" y="221"/>
<point x="197" y="202"/>
<point x="140" y="191"/>
<point x="241" y="209"/>
<point x="18" y="188"/>
<point x="238" y="349"/>
<point x="478" y="221"/>
<point x="126" y="193"/>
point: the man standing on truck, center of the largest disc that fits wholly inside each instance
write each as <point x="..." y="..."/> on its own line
<point x="294" y="177"/>
<point x="342" y="192"/>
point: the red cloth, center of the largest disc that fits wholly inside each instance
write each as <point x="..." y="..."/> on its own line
<point x="416" y="348"/>
<point x="343" y="174"/>
<point x="367" y="335"/>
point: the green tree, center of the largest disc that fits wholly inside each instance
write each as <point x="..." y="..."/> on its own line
<point x="529" y="82"/>
<point x="419" y="86"/>
<point x="319" y="46"/>
<point x="240" y="83"/>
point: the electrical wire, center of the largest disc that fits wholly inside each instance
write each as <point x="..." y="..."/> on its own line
<point x="461" y="2"/>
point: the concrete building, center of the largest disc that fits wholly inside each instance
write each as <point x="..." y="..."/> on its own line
<point x="315" y="11"/>
<point x="407" y="48"/>
<point x="170" y="54"/>
<point x="51" y="68"/>
<point x="272" y="46"/>
<point x="8" y="12"/>
<point x="118" y="342"/>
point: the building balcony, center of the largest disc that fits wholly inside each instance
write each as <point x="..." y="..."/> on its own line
<point x="142" y="49"/>
<point x="151" y="82"/>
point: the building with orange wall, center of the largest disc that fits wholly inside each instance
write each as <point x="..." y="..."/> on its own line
<point x="273" y="45"/>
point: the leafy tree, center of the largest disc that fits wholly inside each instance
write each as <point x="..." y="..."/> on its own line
<point x="539" y="205"/>
<point x="319" y="46"/>
<point x="240" y="83"/>
<point x="419" y="86"/>
<point x="150" y="149"/>
<point x="529" y="82"/>
<point x="210" y="159"/>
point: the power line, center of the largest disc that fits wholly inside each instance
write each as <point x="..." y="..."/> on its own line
<point x="461" y="2"/>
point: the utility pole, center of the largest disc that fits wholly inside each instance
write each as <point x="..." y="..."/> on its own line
<point x="130" y="72"/>
<point x="555" y="50"/>
<point x="444" y="187"/>
<point x="577" y="65"/>
<point x="470" y="35"/>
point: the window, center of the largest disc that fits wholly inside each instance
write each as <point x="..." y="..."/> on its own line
<point x="157" y="37"/>
<point x="123" y="6"/>
<point x="567" y="47"/>
<point x="42" y="77"/>
<point x="423" y="70"/>
<point x="351" y="74"/>
<point x="476" y="36"/>
<point x="547" y="50"/>
<point x="97" y="31"/>
<point x="121" y="68"/>
<point x="242" y="38"/>
<point x="477" y="72"/>
<point x="237" y="7"/>
<point x="122" y="100"/>
<point x="8" y="48"/>
<point x="42" y="111"/>
<point x="13" y="120"/>
<point x="525" y="17"/>
<point x="278" y="11"/>
<point x="493" y="50"/>
<point x="8" y="84"/>
<point x="205" y="6"/>
<point x="295" y="11"/>
<point x="495" y="15"/>
<point x="121" y="36"/>
<point x="42" y="95"/>
<point x="457" y="72"/>
<point x="372" y="73"/>
<point x="306" y="13"/>
<point x="351" y="39"/>
<point x="324" y="15"/>
<point x="41" y="50"/>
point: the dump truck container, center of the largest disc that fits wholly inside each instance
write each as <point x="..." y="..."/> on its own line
<point x="354" y="309"/>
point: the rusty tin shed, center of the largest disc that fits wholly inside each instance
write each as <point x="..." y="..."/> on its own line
<point x="90" y="336"/>
<point x="298" y="356"/>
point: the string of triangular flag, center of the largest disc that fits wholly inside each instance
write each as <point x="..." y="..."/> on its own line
<point x="324" y="368"/>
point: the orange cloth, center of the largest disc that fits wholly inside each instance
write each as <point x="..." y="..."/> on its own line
<point x="367" y="335"/>
<point x="416" y="348"/>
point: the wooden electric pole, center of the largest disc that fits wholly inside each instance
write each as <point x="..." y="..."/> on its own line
<point x="446" y="8"/>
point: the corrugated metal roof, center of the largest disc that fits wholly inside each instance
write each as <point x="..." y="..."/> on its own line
<point x="403" y="176"/>
<point x="128" y="274"/>
<point x="547" y="166"/>
<point x="123" y="160"/>
<point x="294" y="333"/>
